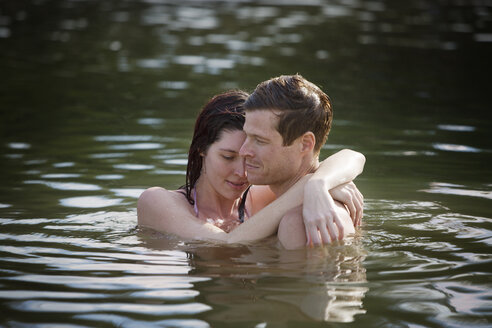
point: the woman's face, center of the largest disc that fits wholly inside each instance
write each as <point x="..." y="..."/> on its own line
<point x="223" y="168"/>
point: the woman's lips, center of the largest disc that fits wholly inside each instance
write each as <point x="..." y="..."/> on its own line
<point x="237" y="185"/>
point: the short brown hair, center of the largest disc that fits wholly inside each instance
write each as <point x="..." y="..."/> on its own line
<point x="302" y="105"/>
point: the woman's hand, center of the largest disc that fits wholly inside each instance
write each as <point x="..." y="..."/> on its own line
<point x="351" y="197"/>
<point x="320" y="216"/>
<point x="321" y="220"/>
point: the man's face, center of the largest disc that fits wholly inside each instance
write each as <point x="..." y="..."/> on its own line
<point x="268" y="161"/>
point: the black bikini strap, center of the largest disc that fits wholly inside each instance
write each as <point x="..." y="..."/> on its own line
<point x="242" y="205"/>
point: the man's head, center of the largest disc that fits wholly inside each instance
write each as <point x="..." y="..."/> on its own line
<point x="300" y="105"/>
<point x="287" y="121"/>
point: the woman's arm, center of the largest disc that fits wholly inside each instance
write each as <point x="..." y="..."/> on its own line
<point x="320" y="217"/>
<point x="265" y="222"/>
<point x="339" y="168"/>
<point x="352" y="198"/>
<point x="167" y="211"/>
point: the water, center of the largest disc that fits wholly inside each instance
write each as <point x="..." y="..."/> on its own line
<point x="97" y="103"/>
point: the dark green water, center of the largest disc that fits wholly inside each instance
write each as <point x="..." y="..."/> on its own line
<point x="97" y="103"/>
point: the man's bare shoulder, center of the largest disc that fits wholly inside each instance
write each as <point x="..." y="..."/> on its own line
<point x="260" y="196"/>
<point x="344" y="215"/>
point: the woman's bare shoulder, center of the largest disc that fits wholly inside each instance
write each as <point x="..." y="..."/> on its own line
<point x="160" y="194"/>
<point x="169" y="211"/>
<point x="156" y="204"/>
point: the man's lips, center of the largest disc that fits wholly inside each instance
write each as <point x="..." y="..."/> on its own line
<point x="250" y="166"/>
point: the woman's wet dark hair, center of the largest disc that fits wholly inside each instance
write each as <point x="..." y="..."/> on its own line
<point x="223" y="112"/>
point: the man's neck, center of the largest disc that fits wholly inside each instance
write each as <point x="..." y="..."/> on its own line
<point x="306" y="168"/>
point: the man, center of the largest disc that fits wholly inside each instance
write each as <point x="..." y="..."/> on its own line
<point x="287" y="121"/>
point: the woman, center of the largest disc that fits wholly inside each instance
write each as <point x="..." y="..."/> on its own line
<point x="217" y="198"/>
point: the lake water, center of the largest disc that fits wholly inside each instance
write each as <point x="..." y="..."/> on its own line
<point x="97" y="103"/>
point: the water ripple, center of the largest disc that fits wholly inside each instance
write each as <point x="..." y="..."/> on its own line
<point x="65" y="185"/>
<point x="79" y="307"/>
<point x="456" y="148"/>
<point x="134" y="167"/>
<point x="124" y="138"/>
<point x="127" y="192"/>
<point x="144" y="282"/>
<point x="137" y="146"/>
<point x="457" y="128"/>
<point x="89" y="201"/>
<point x="18" y="145"/>
<point x="124" y="321"/>
<point x="453" y="189"/>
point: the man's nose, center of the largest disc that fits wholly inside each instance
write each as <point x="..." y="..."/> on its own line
<point x="245" y="150"/>
<point x="240" y="169"/>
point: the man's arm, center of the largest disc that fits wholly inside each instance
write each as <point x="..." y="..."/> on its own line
<point x="322" y="222"/>
<point x="291" y="231"/>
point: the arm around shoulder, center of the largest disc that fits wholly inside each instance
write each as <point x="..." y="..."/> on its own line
<point x="339" y="168"/>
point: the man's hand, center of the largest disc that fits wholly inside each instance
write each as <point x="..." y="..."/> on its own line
<point x="321" y="220"/>
<point x="350" y="196"/>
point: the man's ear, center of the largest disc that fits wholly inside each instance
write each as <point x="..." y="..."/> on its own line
<point x="308" y="140"/>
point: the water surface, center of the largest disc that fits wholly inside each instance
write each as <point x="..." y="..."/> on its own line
<point x="97" y="103"/>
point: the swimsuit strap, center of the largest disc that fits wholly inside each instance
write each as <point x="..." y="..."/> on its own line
<point x="195" y="207"/>
<point x="242" y="206"/>
<point x="241" y="210"/>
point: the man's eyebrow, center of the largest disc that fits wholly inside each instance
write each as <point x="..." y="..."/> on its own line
<point x="254" y="135"/>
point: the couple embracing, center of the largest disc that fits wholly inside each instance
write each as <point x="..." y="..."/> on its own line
<point x="254" y="171"/>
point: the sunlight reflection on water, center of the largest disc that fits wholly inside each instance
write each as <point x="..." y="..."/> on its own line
<point x="453" y="189"/>
<point x="89" y="201"/>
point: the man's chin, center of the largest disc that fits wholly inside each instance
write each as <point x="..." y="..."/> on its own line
<point x="256" y="180"/>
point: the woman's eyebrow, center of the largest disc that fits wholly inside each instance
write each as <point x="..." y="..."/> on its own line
<point x="228" y="150"/>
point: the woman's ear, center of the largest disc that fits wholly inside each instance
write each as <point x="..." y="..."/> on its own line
<point x="204" y="169"/>
<point x="308" y="141"/>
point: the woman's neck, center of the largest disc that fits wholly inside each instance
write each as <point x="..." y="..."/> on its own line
<point x="211" y="204"/>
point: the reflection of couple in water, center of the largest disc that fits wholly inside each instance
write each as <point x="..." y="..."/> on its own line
<point x="253" y="171"/>
<point x="260" y="282"/>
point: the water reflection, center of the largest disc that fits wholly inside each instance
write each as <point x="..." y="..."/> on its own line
<point x="65" y="185"/>
<point x="89" y="201"/>
<point x="324" y="284"/>
<point x="454" y="189"/>
<point x="458" y="148"/>
<point x="457" y="128"/>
